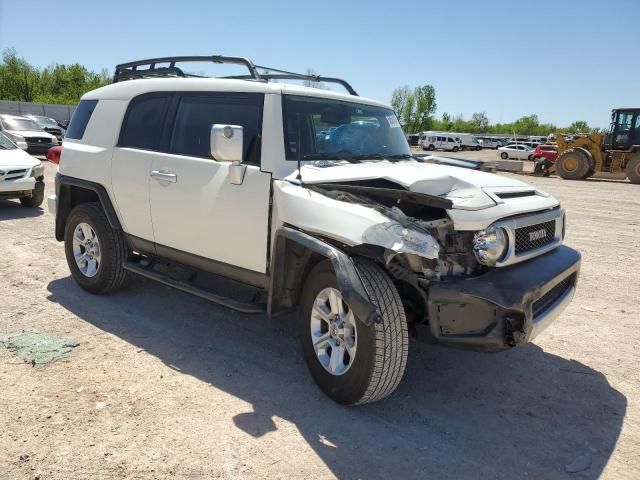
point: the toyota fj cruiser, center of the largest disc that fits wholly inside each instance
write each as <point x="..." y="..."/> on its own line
<point x="314" y="199"/>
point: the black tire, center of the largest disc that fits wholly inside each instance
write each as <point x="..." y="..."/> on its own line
<point x="382" y="348"/>
<point x="110" y="275"/>
<point x="455" y="149"/>
<point x="504" y="155"/>
<point x="36" y="198"/>
<point x="431" y="148"/>
<point x="478" y="148"/>
<point x="572" y="165"/>
<point x="633" y="169"/>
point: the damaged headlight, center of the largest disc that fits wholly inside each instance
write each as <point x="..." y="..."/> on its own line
<point x="490" y="245"/>
<point x="401" y="239"/>
<point x="37" y="171"/>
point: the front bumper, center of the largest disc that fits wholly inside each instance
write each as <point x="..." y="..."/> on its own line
<point x="506" y="306"/>
<point x="20" y="186"/>
<point x="39" y="148"/>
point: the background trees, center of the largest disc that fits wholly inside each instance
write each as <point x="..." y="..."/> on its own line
<point x="415" y="109"/>
<point x="63" y="84"/>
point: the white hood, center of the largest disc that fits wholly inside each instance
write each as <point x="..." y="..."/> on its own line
<point x="467" y="189"/>
<point x="16" y="158"/>
<point x="478" y="197"/>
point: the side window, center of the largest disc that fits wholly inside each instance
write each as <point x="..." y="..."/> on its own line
<point x="450" y="140"/>
<point x="196" y="114"/>
<point x="80" y="119"/>
<point x="143" y="123"/>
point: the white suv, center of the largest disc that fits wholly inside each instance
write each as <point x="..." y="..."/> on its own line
<point x="312" y="198"/>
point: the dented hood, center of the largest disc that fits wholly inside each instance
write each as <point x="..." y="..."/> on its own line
<point x="467" y="189"/>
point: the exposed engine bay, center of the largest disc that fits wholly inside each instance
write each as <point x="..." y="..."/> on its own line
<point x="419" y="236"/>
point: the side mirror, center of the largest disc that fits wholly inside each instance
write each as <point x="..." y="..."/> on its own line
<point x="226" y="146"/>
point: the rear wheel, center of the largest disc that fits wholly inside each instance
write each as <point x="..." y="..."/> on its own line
<point x="478" y="148"/>
<point x="455" y="149"/>
<point x="353" y="363"/>
<point x="36" y="198"/>
<point x="504" y="155"/>
<point x="572" y="165"/>
<point x="431" y="148"/>
<point x="95" y="252"/>
<point x="633" y="169"/>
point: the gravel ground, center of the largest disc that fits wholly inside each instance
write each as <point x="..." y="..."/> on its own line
<point x="164" y="385"/>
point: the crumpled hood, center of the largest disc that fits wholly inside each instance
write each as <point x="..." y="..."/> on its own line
<point x="16" y="158"/>
<point x="467" y="189"/>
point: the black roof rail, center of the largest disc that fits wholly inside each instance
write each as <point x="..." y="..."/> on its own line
<point x="131" y="70"/>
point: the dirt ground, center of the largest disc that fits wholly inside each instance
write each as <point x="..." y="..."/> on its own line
<point x="164" y="385"/>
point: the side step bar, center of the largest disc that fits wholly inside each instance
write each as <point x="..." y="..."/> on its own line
<point x="248" y="308"/>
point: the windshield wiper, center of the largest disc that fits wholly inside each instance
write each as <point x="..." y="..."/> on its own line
<point x="401" y="156"/>
<point x="346" y="156"/>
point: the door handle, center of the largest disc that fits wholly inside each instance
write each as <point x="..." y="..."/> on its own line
<point x="164" y="176"/>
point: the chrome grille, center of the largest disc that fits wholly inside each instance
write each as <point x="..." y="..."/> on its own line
<point x="38" y="140"/>
<point x="547" y="301"/>
<point x="14" y="174"/>
<point x="535" y="236"/>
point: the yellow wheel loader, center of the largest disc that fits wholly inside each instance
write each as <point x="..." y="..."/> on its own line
<point x="617" y="151"/>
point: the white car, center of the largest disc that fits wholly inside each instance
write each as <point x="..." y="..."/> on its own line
<point x="234" y="177"/>
<point x="21" y="129"/>
<point x="21" y="175"/>
<point x="517" y="151"/>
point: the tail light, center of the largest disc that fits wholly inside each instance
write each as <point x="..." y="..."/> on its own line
<point x="53" y="154"/>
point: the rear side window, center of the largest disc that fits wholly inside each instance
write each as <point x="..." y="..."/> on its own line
<point x="143" y="124"/>
<point x="196" y="114"/>
<point x="80" y="119"/>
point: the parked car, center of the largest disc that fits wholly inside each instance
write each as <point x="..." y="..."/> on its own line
<point x="21" y="175"/>
<point x="439" y="141"/>
<point x="21" y="129"/>
<point x="362" y="240"/>
<point x="49" y="125"/>
<point x="413" y="139"/>
<point x="490" y="142"/>
<point x="550" y="152"/>
<point x="517" y="151"/>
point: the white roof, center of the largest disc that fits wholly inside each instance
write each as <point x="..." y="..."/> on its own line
<point x="128" y="89"/>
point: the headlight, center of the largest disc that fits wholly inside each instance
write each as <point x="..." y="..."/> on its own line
<point x="37" y="171"/>
<point x="490" y="245"/>
<point x="15" y="137"/>
<point x="400" y="239"/>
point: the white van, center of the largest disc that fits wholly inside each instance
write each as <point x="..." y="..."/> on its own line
<point x="467" y="141"/>
<point x="438" y="141"/>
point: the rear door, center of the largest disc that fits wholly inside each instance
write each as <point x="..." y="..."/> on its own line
<point x="139" y="142"/>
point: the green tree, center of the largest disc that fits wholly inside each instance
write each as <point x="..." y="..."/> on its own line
<point x="415" y="108"/>
<point x="55" y="84"/>
<point x="480" y="122"/>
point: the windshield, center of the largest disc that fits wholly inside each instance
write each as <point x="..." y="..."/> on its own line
<point x="5" y="143"/>
<point x="19" y="124"/>
<point x="45" y="121"/>
<point x="338" y="130"/>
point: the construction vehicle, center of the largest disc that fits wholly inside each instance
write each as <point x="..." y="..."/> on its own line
<point x="617" y="151"/>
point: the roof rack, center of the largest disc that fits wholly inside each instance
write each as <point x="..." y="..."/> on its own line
<point x="131" y="70"/>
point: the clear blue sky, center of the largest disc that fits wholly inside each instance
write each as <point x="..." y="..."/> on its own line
<point x="564" y="60"/>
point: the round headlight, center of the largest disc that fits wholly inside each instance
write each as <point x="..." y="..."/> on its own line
<point x="490" y="245"/>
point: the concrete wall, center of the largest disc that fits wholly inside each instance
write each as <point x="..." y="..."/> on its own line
<point x="59" y="112"/>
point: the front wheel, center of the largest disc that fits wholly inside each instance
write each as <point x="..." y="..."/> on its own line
<point x="455" y="149"/>
<point x="504" y="155"/>
<point x="478" y="148"/>
<point x="36" y="198"/>
<point x="431" y="148"/>
<point x="633" y="169"/>
<point x="353" y="363"/>
<point x="95" y="252"/>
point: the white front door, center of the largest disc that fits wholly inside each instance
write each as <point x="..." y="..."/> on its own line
<point x="195" y="209"/>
